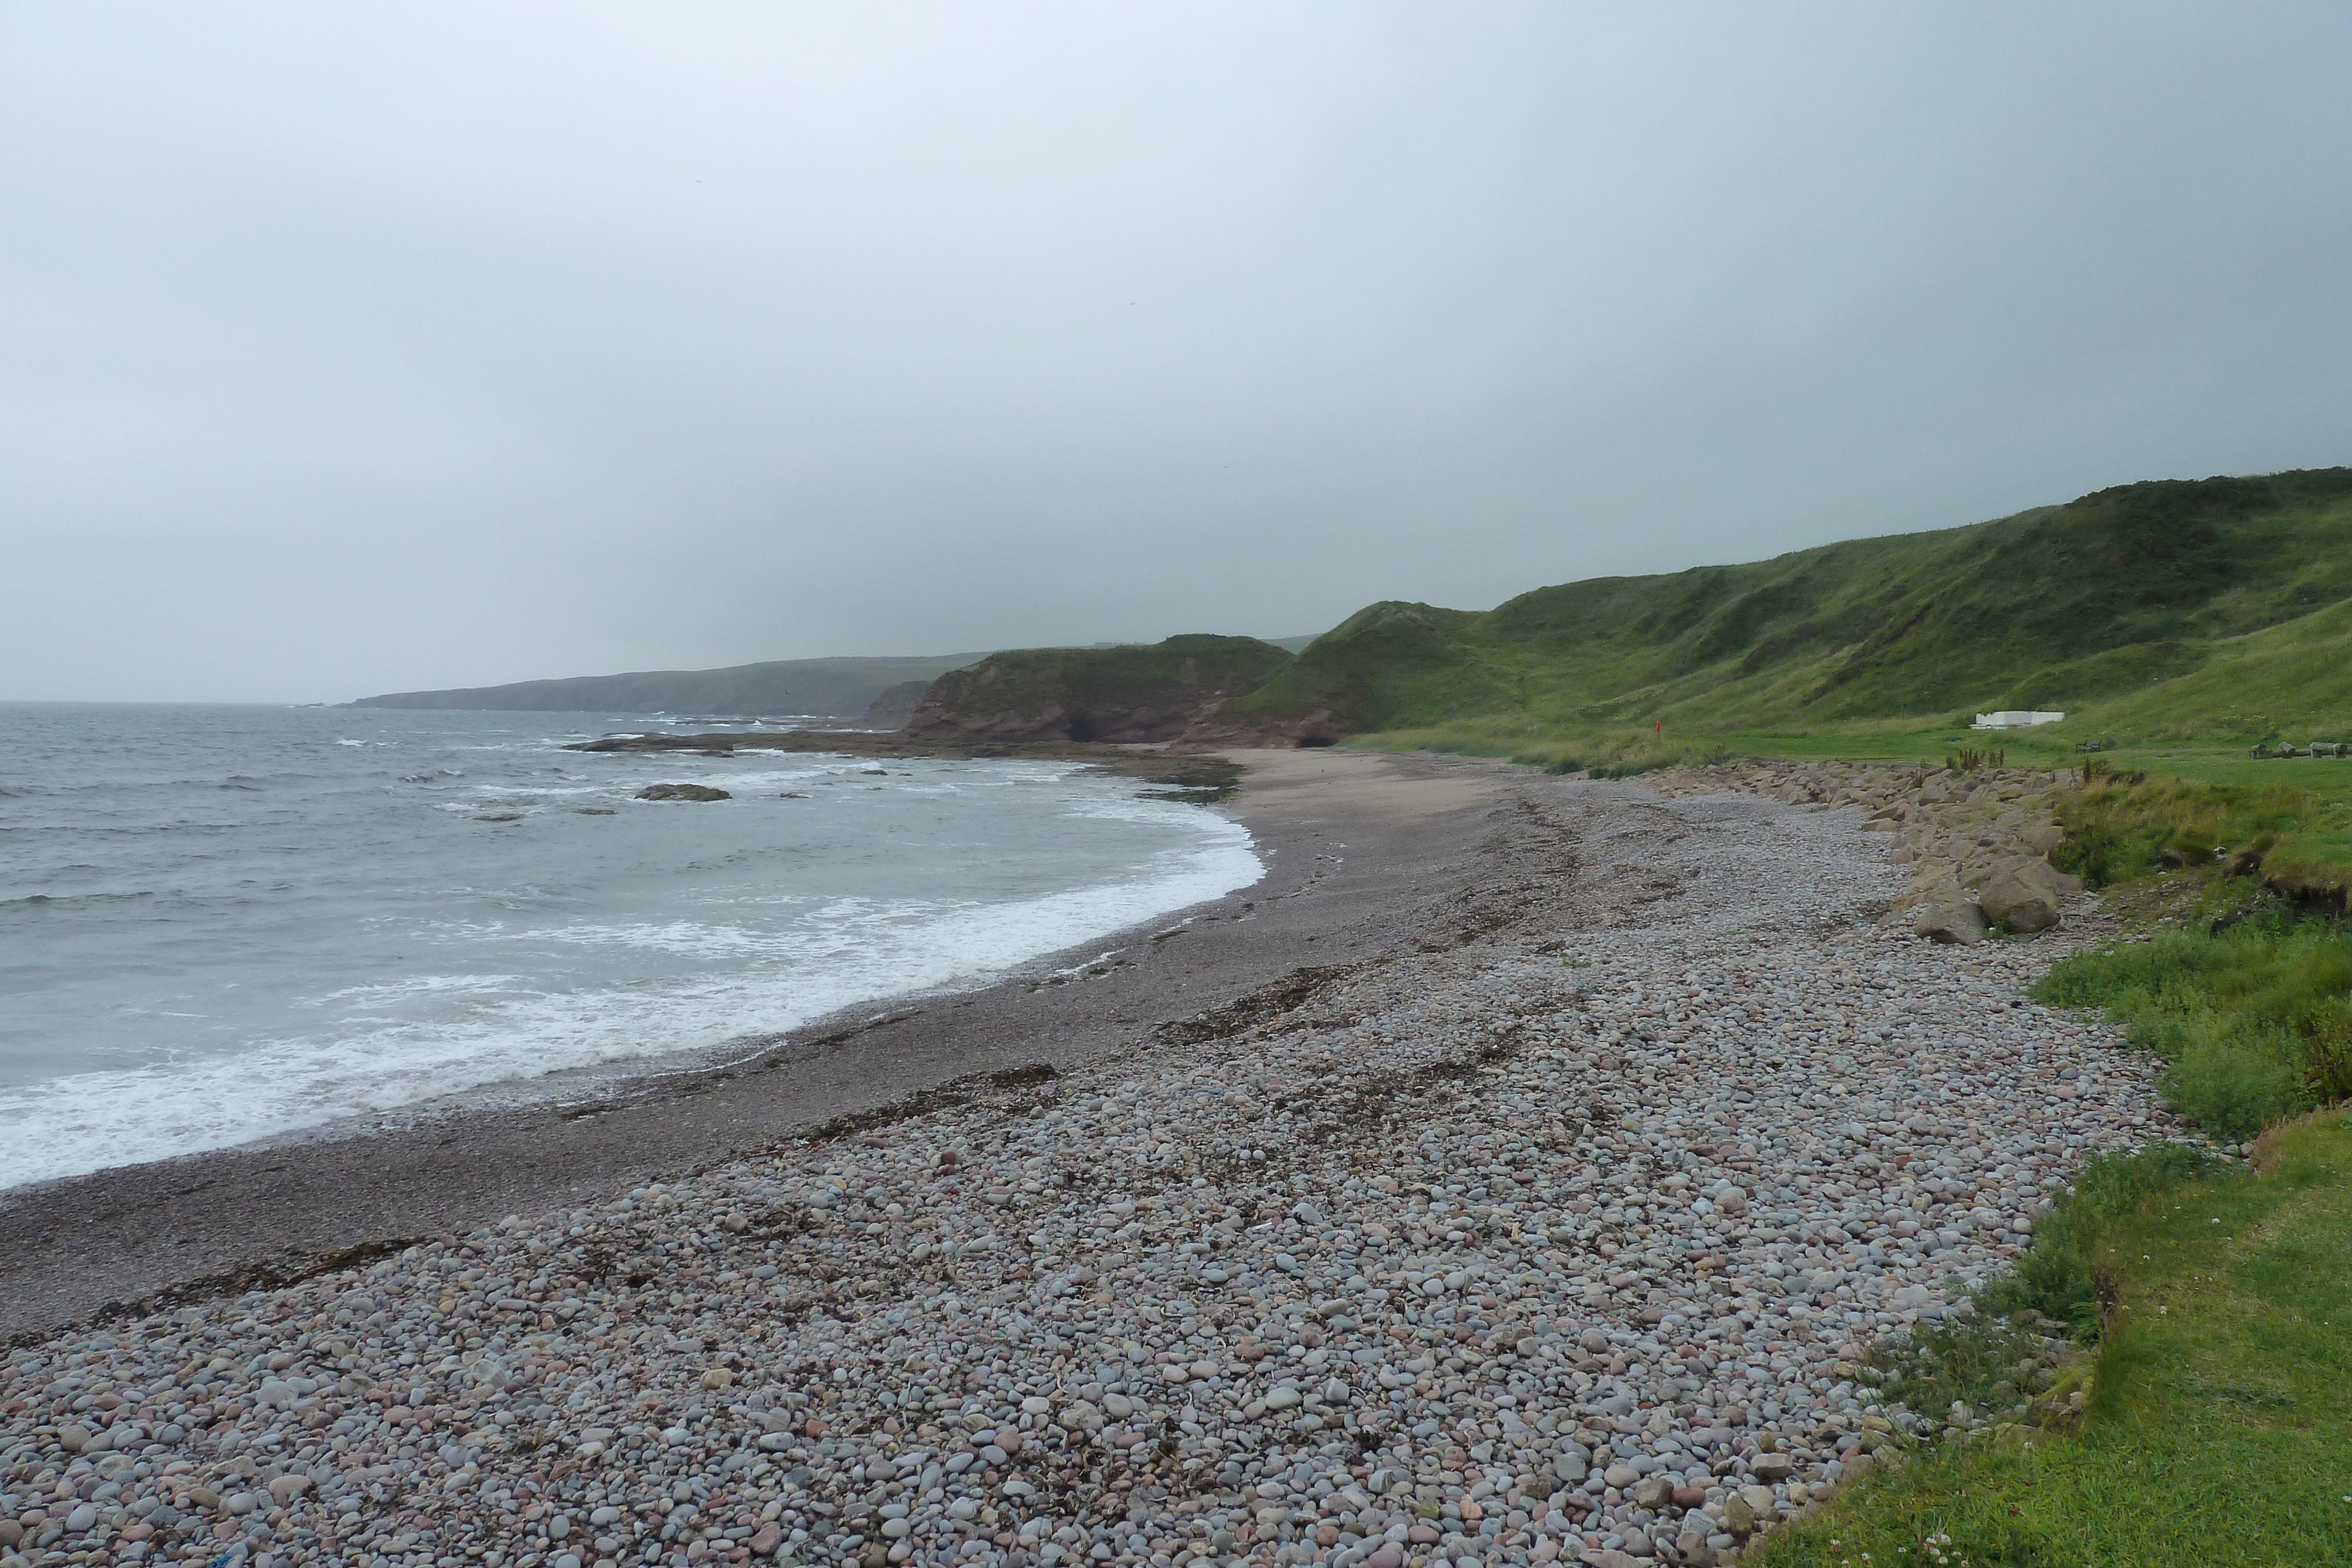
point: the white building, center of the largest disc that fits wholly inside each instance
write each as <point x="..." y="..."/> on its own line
<point x="2015" y="718"/>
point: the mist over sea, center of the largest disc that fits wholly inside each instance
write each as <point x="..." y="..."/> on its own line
<point x="219" y="923"/>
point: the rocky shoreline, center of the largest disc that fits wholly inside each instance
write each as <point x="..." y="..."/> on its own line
<point x="1551" y="1229"/>
<point x="1179" y="771"/>
<point x="1978" y="842"/>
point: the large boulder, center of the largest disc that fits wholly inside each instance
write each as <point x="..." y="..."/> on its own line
<point x="1932" y="882"/>
<point x="1957" y="923"/>
<point x="2025" y="893"/>
<point x="682" y="792"/>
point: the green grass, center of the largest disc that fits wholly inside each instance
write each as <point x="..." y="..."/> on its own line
<point x="2253" y="1022"/>
<point x="2291" y="681"/>
<point x="2297" y="815"/>
<point x="1993" y="1360"/>
<point x="2324" y="780"/>
<point x="1986" y="1363"/>
<point x="2058" y="1278"/>
<point x="2215" y="1307"/>
<point x="2120" y="828"/>
<point x="2221" y="1432"/>
<point x="1859" y="744"/>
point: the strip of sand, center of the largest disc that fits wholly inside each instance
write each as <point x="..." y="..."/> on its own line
<point x="1324" y="784"/>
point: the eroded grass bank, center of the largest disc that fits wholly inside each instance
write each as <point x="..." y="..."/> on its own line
<point x="2295" y="839"/>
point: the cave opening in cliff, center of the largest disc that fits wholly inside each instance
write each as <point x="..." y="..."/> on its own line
<point x="1083" y="728"/>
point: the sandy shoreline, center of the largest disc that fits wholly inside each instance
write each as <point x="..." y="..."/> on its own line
<point x="1346" y="837"/>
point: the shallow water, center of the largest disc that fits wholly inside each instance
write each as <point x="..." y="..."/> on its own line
<point x="218" y="923"/>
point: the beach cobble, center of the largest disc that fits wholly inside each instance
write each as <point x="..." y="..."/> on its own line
<point x="1977" y="842"/>
<point x="1556" y="1233"/>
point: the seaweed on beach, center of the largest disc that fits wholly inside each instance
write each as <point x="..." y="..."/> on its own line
<point x="1275" y="1000"/>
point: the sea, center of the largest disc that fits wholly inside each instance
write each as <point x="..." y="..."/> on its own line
<point x="222" y="924"/>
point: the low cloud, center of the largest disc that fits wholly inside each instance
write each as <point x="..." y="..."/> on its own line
<point x="361" y="349"/>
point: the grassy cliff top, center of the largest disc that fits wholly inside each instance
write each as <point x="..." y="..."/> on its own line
<point x="1187" y="669"/>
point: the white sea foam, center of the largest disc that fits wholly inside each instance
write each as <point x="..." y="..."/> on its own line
<point x="835" y="953"/>
<point x="743" y="786"/>
<point x="393" y="991"/>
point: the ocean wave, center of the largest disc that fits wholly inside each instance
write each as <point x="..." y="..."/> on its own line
<point x="847" y="952"/>
<point x="388" y="992"/>
<point x="131" y="895"/>
<point x="223" y="927"/>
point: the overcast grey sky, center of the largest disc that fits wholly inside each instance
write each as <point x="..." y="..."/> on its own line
<point x="356" y="348"/>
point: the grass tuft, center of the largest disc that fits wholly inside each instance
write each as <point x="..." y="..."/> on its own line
<point x="1986" y="1363"/>
<point x="2255" y="1022"/>
<point x="2058" y="1277"/>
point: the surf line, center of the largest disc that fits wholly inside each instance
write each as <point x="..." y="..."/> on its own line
<point x="768" y="1045"/>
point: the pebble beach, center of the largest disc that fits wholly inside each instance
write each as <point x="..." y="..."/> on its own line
<point x="1553" y="1230"/>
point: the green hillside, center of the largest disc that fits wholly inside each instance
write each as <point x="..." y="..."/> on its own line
<point x="2290" y="680"/>
<point x="840" y="688"/>
<point x="2171" y="605"/>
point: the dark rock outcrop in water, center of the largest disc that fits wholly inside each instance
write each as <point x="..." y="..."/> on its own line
<point x="1198" y="776"/>
<point x="682" y="792"/>
<point x="1127" y="694"/>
